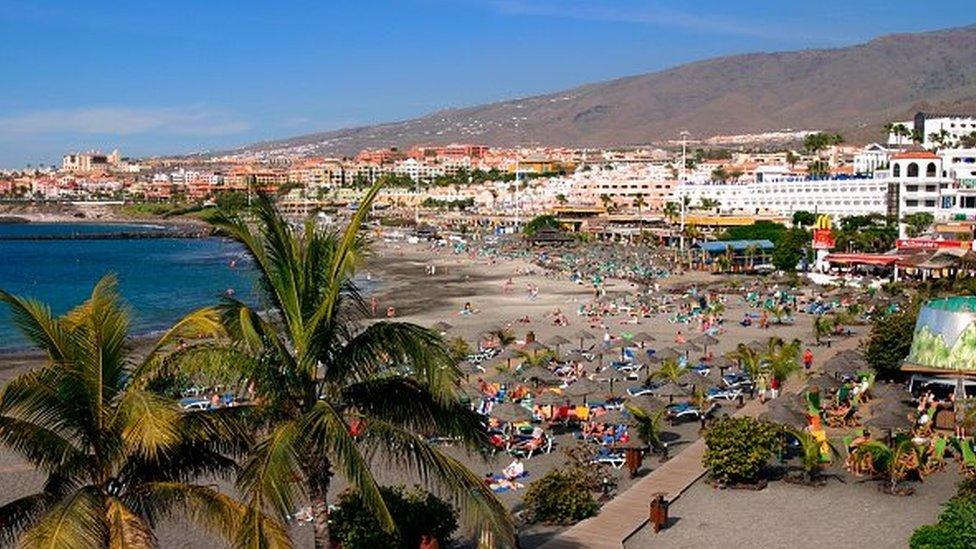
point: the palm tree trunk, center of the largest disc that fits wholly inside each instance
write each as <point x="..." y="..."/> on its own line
<point x="319" y="475"/>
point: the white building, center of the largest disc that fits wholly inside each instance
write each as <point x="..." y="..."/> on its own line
<point x="947" y="129"/>
<point x="837" y="197"/>
<point x="871" y="158"/>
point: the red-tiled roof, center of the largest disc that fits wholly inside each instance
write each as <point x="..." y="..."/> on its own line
<point x="915" y="155"/>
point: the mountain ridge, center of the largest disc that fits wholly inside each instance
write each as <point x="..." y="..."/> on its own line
<point x="853" y="89"/>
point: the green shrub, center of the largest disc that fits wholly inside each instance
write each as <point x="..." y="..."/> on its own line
<point x="560" y="497"/>
<point x="415" y="512"/>
<point x="956" y="528"/>
<point x="738" y="448"/>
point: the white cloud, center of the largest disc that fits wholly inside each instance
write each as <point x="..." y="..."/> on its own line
<point x="123" y="121"/>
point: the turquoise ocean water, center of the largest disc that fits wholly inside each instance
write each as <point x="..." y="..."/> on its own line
<point x="161" y="278"/>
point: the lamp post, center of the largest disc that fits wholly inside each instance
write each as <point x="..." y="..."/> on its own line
<point x="684" y="163"/>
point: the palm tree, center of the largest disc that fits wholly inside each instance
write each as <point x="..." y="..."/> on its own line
<point x="640" y="203"/>
<point x="750" y="360"/>
<point x="751" y="251"/>
<point x="672" y="210"/>
<point x="504" y="336"/>
<point x="117" y="456"/>
<point x="670" y="370"/>
<point x="811" y="452"/>
<point x="337" y="398"/>
<point x="648" y="425"/>
<point x="822" y="326"/>
<point x="530" y="360"/>
<point x="782" y="359"/>
<point x="892" y="463"/>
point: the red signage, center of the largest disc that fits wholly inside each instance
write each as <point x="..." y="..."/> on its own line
<point x="822" y="239"/>
<point x="930" y="244"/>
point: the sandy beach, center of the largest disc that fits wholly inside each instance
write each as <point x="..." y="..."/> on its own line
<point x="521" y="296"/>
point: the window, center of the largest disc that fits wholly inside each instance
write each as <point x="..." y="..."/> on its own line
<point x="897" y="170"/>
<point x="913" y="170"/>
<point x="930" y="170"/>
<point x="911" y="203"/>
<point x="930" y="203"/>
<point x="911" y="188"/>
<point x="930" y="188"/>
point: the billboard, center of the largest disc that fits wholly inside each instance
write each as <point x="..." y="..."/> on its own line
<point x="823" y="239"/>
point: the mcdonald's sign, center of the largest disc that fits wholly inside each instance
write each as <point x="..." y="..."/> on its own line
<point x="822" y="237"/>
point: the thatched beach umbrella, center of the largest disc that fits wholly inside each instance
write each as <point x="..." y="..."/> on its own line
<point x="783" y="413"/>
<point x="508" y="355"/>
<point x="686" y="348"/>
<point x="648" y="403"/>
<point x="666" y="354"/>
<point x="705" y="340"/>
<point x="534" y="347"/>
<point x="612" y="375"/>
<point x="889" y="420"/>
<point x="757" y="346"/>
<point x="556" y="341"/>
<point x="643" y="337"/>
<point x="581" y="335"/>
<point x="540" y="375"/>
<point x="616" y="417"/>
<point x="690" y="378"/>
<point x="584" y="388"/>
<point x="549" y="398"/>
<point x="506" y="378"/>
<point x="826" y="383"/>
<point x="509" y="412"/>
<point x="441" y="327"/>
<point x="671" y="390"/>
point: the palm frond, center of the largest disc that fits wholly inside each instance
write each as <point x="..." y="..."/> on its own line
<point x="208" y="508"/>
<point x="36" y="322"/>
<point x="125" y="528"/>
<point x="270" y="476"/>
<point x="20" y="514"/>
<point x="408" y="404"/>
<point x="478" y="505"/>
<point x="327" y="429"/>
<point x="386" y="344"/>
<point x="148" y="423"/>
<point x="76" y="522"/>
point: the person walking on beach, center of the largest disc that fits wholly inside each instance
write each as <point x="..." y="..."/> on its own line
<point x="807" y="359"/>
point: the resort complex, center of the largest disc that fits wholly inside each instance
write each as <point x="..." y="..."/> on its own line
<point x="730" y="303"/>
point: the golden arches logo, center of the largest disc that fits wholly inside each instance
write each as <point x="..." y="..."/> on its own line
<point x="823" y="223"/>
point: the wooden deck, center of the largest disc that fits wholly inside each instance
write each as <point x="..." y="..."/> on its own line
<point x="627" y="513"/>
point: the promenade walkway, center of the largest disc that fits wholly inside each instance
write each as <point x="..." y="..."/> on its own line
<point x="627" y="513"/>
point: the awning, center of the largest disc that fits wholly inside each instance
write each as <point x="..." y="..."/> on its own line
<point x="863" y="259"/>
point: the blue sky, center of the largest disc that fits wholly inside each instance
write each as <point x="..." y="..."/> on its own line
<point x="173" y="76"/>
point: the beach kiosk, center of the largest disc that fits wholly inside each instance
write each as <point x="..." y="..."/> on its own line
<point x="943" y="353"/>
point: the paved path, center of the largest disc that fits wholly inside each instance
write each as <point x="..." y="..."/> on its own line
<point x="627" y="513"/>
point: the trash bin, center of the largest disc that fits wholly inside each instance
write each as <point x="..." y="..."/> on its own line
<point x="659" y="512"/>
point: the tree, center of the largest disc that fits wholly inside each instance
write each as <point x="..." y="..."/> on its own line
<point x="737" y="449"/>
<point x="416" y="513"/>
<point x="672" y="210"/>
<point x="803" y="218"/>
<point x="894" y="463"/>
<point x="540" y="222"/>
<point x="811" y="453"/>
<point x="607" y="202"/>
<point x="792" y="159"/>
<point x="790" y="249"/>
<point x="648" y="425"/>
<point x="918" y="223"/>
<point x="335" y="397"/>
<point x="670" y="370"/>
<point x="782" y="358"/>
<point x="890" y="340"/>
<point x="561" y="199"/>
<point x="749" y="360"/>
<point x="708" y="203"/>
<point x="819" y="141"/>
<point x="117" y="456"/>
<point x="719" y="174"/>
<point x="639" y="203"/>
